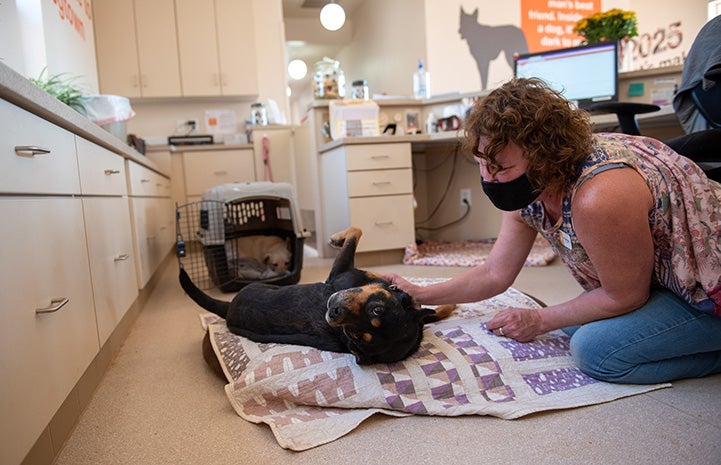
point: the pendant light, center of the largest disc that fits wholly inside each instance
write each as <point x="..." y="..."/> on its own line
<point x="332" y="16"/>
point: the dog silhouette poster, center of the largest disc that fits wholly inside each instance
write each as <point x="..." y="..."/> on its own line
<point x="487" y="42"/>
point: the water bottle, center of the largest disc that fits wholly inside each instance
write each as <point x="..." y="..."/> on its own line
<point x="421" y="82"/>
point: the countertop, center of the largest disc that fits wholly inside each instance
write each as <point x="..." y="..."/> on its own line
<point x="19" y="91"/>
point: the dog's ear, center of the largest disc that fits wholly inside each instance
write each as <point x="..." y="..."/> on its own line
<point x="266" y="260"/>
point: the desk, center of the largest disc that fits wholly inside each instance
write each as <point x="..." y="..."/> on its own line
<point x="383" y="203"/>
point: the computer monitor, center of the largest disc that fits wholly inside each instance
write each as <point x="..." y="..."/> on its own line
<point x="584" y="74"/>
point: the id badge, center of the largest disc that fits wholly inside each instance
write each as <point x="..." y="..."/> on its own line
<point x="566" y="240"/>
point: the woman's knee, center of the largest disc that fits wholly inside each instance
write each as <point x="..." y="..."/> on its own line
<point x="594" y="352"/>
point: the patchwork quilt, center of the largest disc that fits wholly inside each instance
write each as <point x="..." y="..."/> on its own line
<point x="310" y="397"/>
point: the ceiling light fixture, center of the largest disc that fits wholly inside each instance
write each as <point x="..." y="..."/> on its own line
<point x="332" y="16"/>
<point x="297" y="69"/>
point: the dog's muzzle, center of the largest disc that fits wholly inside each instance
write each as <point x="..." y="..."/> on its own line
<point x="334" y="314"/>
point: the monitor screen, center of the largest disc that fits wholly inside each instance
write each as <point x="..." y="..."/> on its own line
<point x="584" y="74"/>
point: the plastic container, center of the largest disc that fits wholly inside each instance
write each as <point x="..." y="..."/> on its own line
<point x="421" y="82"/>
<point x="328" y="80"/>
<point x="110" y="112"/>
<point x="359" y="90"/>
<point x="258" y="114"/>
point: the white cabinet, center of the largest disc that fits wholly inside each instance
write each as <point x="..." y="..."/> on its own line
<point x="369" y="186"/>
<point x="42" y="355"/>
<point x="136" y="48"/>
<point x="208" y="168"/>
<point x="280" y="143"/>
<point x="152" y="214"/>
<point x="110" y="244"/>
<point x="216" y="43"/>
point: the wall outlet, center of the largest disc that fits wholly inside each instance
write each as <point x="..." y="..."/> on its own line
<point x="465" y="197"/>
<point x="186" y="125"/>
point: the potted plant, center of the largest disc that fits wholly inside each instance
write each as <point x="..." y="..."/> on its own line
<point x="61" y="88"/>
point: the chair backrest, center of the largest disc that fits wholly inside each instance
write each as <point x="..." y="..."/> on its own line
<point x="708" y="103"/>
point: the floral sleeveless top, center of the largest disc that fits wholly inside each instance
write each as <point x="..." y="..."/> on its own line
<point x="685" y="221"/>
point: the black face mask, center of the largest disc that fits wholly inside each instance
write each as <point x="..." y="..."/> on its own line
<point x="512" y="195"/>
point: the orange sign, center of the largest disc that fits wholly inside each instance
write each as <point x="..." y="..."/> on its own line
<point x="548" y="24"/>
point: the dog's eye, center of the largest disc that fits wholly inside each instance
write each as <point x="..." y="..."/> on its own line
<point x="393" y="287"/>
<point x="377" y="311"/>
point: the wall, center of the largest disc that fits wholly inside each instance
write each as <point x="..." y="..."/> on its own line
<point x="57" y="34"/>
<point x="453" y="68"/>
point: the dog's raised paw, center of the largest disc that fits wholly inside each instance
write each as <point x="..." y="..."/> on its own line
<point x="336" y="240"/>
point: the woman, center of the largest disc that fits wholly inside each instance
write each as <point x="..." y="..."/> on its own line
<point x="638" y="226"/>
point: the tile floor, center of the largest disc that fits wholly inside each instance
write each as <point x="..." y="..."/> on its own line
<point x="159" y="404"/>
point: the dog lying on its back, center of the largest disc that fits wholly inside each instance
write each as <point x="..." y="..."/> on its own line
<point x="353" y="311"/>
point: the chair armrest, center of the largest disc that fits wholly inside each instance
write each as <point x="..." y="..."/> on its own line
<point x="625" y="112"/>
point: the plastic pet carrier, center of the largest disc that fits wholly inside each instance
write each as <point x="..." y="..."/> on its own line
<point x="241" y="233"/>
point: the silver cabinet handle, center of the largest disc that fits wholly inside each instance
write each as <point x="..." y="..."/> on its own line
<point x="109" y="172"/>
<point x="144" y="180"/>
<point x="381" y="183"/>
<point x="220" y="173"/>
<point x="55" y="305"/>
<point x="122" y="257"/>
<point x="30" y="150"/>
<point x="380" y="157"/>
<point x="383" y="223"/>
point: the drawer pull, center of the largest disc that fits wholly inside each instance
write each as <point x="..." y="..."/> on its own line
<point x="122" y="257"/>
<point x="381" y="183"/>
<point x="383" y="223"/>
<point x="220" y="173"/>
<point x="55" y="305"/>
<point x="30" y="150"/>
<point x="380" y="157"/>
<point x="109" y="172"/>
<point x="144" y="180"/>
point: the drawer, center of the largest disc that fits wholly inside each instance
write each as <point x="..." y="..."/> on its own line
<point x="102" y="172"/>
<point x="206" y="169"/>
<point x="55" y="172"/>
<point x="385" y="182"/>
<point x="378" y="156"/>
<point x="387" y="222"/>
<point x="143" y="182"/>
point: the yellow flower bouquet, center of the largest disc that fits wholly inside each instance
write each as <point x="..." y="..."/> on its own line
<point x="609" y="26"/>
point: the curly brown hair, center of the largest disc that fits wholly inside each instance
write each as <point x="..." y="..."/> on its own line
<point x="554" y="136"/>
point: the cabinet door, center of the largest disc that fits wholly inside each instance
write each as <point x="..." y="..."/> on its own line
<point x="198" y="47"/>
<point x="42" y="355"/>
<point x="116" y="47"/>
<point x="112" y="261"/>
<point x="206" y="169"/>
<point x="157" y="48"/>
<point x="236" y="47"/>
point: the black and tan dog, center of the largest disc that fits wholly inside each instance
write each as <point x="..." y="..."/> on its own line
<point x="353" y="311"/>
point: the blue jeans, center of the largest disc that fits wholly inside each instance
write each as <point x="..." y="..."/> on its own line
<point x="666" y="339"/>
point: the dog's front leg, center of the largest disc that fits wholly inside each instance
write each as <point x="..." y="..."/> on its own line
<point x="347" y="240"/>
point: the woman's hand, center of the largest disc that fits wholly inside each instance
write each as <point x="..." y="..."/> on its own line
<point x="401" y="283"/>
<point x="521" y="324"/>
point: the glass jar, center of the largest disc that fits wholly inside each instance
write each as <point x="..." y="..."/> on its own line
<point x="258" y="114"/>
<point x="328" y="80"/>
<point x="359" y="90"/>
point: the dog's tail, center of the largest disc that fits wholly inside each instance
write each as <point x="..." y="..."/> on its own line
<point x="219" y="307"/>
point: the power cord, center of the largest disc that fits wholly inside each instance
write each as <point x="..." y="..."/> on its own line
<point x="463" y="217"/>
